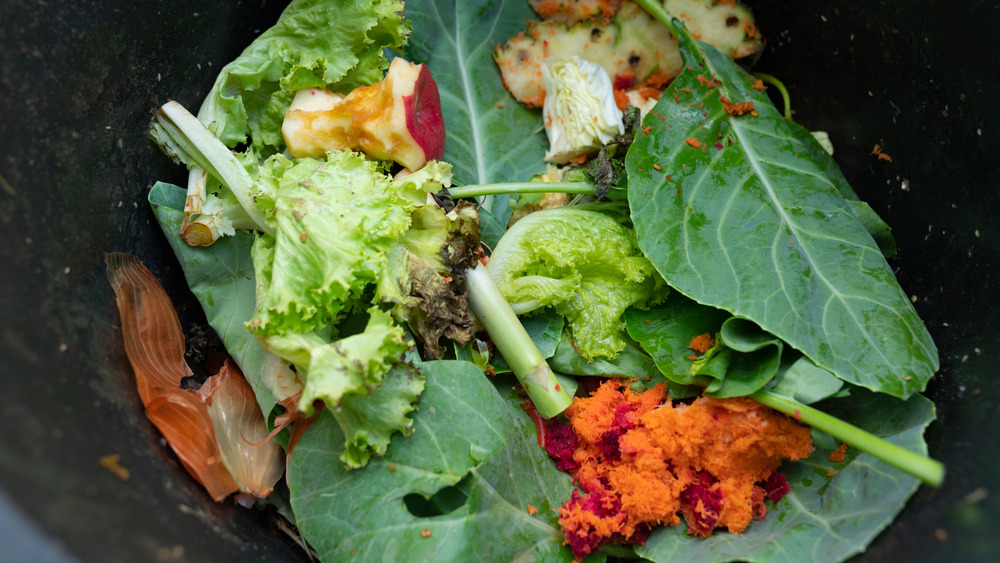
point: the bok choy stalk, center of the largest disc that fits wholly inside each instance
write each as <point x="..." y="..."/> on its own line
<point x="185" y="139"/>
<point x="494" y="312"/>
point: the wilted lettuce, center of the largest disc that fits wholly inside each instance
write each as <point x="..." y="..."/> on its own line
<point x="584" y="264"/>
<point x="353" y="244"/>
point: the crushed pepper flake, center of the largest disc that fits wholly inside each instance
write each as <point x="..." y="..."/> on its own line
<point x="877" y="151"/>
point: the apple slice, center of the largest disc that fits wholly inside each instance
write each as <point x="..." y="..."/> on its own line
<point x="396" y="119"/>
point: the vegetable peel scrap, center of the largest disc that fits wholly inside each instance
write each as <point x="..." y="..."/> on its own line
<point x="641" y="461"/>
<point x="212" y="430"/>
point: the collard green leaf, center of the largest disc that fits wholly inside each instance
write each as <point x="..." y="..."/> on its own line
<point x="665" y="331"/>
<point x="473" y="455"/>
<point x="746" y="215"/>
<point x="877" y="228"/>
<point x="801" y="379"/>
<point x="221" y="276"/>
<point x="824" y="518"/>
<point x="631" y="362"/>
<point x="749" y="360"/>
<point x="490" y="136"/>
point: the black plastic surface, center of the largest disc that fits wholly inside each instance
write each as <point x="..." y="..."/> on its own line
<point x="77" y="83"/>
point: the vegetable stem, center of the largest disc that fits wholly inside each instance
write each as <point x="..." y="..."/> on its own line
<point x="924" y="468"/>
<point x="476" y="190"/>
<point x="508" y="334"/>
<point x="785" y="98"/>
<point x="208" y="152"/>
<point x="655" y="9"/>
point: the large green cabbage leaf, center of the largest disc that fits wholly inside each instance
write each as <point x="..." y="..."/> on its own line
<point x="747" y="213"/>
<point x="473" y="453"/>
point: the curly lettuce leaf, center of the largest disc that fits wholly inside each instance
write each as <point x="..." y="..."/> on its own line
<point x="302" y="50"/>
<point x="584" y="264"/>
<point x="335" y="221"/>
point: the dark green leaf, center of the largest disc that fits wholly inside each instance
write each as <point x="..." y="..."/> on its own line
<point x="747" y="215"/>
<point x="630" y="362"/>
<point x="666" y="330"/>
<point x="221" y="276"/>
<point x="877" y="228"/>
<point x="824" y="518"/>
<point x="490" y="136"/>
<point x="801" y="379"/>
<point x="749" y="360"/>
<point x="473" y="456"/>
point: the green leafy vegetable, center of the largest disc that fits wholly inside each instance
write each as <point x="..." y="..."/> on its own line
<point x="470" y="446"/>
<point x="490" y="137"/>
<point x="335" y="221"/>
<point x="665" y="331"/>
<point x="630" y="362"/>
<point x="801" y="379"/>
<point x="747" y="359"/>
<point x="748" y="215"/>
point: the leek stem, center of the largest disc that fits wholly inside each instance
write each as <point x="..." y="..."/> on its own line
<point x="477" y="190"/>
<point x="508" y="334"/>
<point x="928" y="470"/>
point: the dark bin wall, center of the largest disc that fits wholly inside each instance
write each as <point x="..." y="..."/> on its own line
<point x="77" y="83"/>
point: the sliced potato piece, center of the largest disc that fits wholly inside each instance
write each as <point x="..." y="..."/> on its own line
<point x="631" y="42"/>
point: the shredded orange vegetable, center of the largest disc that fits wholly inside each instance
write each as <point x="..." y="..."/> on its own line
<point x="641" y="461"/>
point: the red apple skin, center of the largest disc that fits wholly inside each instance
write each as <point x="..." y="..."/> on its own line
<point x="424" y="119"/>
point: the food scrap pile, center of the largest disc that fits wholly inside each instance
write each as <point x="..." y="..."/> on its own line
<point x="641" y="460"/>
